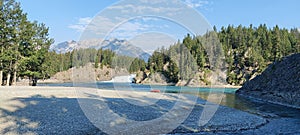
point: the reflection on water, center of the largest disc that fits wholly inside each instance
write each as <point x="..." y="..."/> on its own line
<point x="255" y="107"/>
<point x="211" y="94"/>
<point x="228" y="99"/>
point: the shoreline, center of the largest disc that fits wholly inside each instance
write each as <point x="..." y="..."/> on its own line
<point x="59" y="109"/>
<point x="267" y="101"/>
<point x="52" y="81"/>
<point x="204" y="86"/>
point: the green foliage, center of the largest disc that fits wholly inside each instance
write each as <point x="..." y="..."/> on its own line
<point x="137" y="65"/>
<point x="247" y="51"/>
<point x="23" y="44"/>
<point x="160" y="62"/>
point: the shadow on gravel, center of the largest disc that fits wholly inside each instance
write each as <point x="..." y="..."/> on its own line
<point x="134" y="112"/>
<point x="42" y="115"/>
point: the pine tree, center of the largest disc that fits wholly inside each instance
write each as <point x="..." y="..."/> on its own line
<point x="276" y="43"/>
<point x="2" y="38"/>
<point x="22" y="43"/>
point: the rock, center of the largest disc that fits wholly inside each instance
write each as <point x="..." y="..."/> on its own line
<point x="155" y="79"/>
<point x="181" y="83"/>
<point x="140" y="76"/>
<point x="279" y="83"/>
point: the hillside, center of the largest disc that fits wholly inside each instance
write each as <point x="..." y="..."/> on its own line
<point x="279" y="83"/>
<point x="240" y="53"/>
<point x="98" y="74"/>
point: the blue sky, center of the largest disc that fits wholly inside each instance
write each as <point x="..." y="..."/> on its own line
<point x="68" y="18"/>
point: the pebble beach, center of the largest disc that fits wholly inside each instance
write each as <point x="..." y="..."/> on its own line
<point x="60" y="110"/>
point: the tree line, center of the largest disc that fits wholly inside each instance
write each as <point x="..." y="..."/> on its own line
<point x="249" y="50"/>
<point x="98" y="57"/>
<point x="246" y="51"/>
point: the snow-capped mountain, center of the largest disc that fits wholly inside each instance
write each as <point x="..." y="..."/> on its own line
<point x="69" y="46"/>
<point x="64" y="47"/>
<point x="121" y="47"/>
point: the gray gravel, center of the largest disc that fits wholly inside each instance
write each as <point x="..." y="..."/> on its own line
<point x="51" y="115"/>
<point x="40" y="113"/>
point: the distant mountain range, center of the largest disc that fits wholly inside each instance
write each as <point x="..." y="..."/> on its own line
<point x="121" y="47"/>
<point x="64" y="47"/>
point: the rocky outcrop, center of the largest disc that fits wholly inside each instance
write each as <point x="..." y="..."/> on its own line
<point x="279" y="83"/>
<point x="140" y="76"/>
<point x="156" y="79"/>
<point x="88" y="73"/>
<point x="199" y="79"/>
<point x="207" y="78"/>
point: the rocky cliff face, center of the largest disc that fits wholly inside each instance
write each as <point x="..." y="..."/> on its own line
<point x="279" y="83"/>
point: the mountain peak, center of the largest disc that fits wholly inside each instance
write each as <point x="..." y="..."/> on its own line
<point x="121" y="47"/>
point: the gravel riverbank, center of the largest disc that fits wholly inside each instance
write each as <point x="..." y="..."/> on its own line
<point x="58" y="110"/>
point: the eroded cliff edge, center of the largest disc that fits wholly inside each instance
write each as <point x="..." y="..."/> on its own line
<point x="279" y="83"/>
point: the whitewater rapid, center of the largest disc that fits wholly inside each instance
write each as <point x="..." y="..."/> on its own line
<point x="123" y="79"/>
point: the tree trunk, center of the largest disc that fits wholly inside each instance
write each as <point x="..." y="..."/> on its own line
<point x="14" y="81"/>
<point x="1" y="77"/>
<point x="8" y="79"/>
<point x="1" y="66"/>
<point x="34" y="81"/>
<point x="30" y="81"/>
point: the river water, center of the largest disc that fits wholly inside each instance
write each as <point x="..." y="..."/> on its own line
<point x="229" y="98"/>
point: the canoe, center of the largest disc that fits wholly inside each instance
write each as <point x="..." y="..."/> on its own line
<point x="155" y="90"/>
